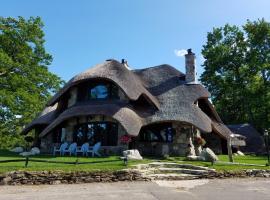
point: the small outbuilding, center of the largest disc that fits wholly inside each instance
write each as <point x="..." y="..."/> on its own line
<point x="254" y="140"/>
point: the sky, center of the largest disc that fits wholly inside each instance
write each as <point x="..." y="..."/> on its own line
<point x="82" y="33"/>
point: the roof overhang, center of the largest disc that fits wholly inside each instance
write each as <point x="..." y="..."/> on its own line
<point x="130" y="121"/>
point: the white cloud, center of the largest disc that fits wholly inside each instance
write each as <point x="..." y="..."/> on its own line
<point x="180" y="52"/>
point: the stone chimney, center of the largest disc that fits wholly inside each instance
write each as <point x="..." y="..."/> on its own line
<point x="190" y="67"/>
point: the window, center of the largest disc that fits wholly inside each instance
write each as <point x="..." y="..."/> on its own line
<point x="99" y="92"/>
<point x="158" y="133"/>
<point x="93" y="132"/>
<point x="59" y="135"/>
<point x="103" y="91"/>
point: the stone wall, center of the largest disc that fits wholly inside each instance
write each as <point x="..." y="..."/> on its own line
<point x="47" y="143"/>
<point x="73" y="97"/>
<point x="179" y="147"/>
<point x="213" y="141"/>
<point x="45" y="177"/>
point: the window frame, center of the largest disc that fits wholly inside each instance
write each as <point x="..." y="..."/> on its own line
<point x="110" y="86"/>
<point x="106" y="140"/>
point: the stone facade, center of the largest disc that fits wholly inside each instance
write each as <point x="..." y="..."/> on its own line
<point x="47" y="143"/>
<point x="73" y="97"/>
<point x="183" y="140"/>
<point x="213" y="142"/>
<point x="45" y="177"/>
<point x="190" y="67"/>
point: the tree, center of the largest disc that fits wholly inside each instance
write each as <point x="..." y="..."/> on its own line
<point x="26" y="84"/>
<point x="237" y="72"/>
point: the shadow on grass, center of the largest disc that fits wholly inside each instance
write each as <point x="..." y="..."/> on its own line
<point x="9" y="154"/>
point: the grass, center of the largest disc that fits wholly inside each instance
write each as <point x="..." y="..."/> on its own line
<point x="248" y="159"/>
<point x="110" y="163"/>
<point x="113" y="163"/>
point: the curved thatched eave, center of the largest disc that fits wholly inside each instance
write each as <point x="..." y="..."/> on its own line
<point x="116" y="72"/>
<point x="130" y="121"/>
<point x="45" y="118"/>
<point x="187" y="113"/>
<point x="208" y="108"/>
<point x="196" y="91"/>
<point x="221" y="129"/>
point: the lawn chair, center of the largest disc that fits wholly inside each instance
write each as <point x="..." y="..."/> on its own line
<point x="62" y="149"/>
<point x="72" y="149"/>
<point x="85" y="149"/>
<point x="95" y="149"/>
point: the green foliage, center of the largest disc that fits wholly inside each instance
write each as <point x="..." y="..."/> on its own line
<point x="237" y="72"/>
<point x="26" y="84"/>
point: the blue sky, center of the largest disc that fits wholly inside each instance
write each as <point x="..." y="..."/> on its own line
<point x="82" y="33"/>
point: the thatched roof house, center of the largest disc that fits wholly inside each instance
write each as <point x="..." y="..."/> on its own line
<point x="254" y="141"/>
<point x="160" y="107"/>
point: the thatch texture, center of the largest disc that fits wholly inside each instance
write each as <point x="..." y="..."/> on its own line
<point x="176" y="98"/>
<point x="115" y="72"/>
<point x="221" y="129"/>
<point x="254" y="141"/>
<point x="45" y="118"/>
<point x="131" y="122"/>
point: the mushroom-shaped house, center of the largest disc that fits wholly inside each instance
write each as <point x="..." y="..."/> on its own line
<point x="159" y="109"/>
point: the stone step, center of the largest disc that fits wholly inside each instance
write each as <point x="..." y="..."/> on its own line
<point x="177" y="165"/>
<point x="180" y="171"/>
<point x="141" y="166"/>
<point x="172" y="176"/>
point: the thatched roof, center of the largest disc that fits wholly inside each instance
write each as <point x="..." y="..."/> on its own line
<point x="254" y="141"/>
<point x="164" y="86"/>
<point x="115" y="72"/>
<point x="221" y="129"/>
<point x="176" y="98"/>
<point x="45" y="117"/>
<point x="131" y="122"/>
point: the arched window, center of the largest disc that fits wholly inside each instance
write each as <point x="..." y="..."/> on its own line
<point x="103" y="91"/>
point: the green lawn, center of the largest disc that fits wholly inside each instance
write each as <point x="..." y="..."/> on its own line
<point x="110" y="163"/>
<point x="248" y="159"/>
<point x="113" y="163"/>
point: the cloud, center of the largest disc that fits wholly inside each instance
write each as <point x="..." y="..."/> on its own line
<point x="180" y="52"/>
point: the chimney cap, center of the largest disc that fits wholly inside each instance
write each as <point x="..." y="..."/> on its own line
<point x="124" y="61"/>
<point x="189" y="51"/>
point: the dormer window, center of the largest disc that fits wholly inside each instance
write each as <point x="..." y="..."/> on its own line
<point x="103" y="91"/>
<point x="99" y="92"/>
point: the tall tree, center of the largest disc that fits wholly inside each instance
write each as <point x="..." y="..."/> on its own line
<point x="25" y="82"/>
<point x="237" y="72"/>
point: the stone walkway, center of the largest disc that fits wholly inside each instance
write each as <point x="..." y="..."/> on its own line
<point x="172" y="171"/>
